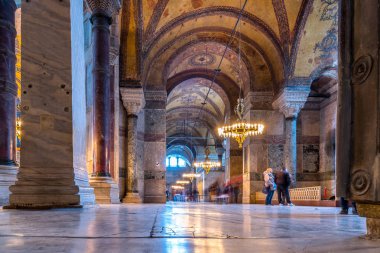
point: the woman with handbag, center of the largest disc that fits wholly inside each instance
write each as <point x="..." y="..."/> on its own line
<point x="270" y="185"/>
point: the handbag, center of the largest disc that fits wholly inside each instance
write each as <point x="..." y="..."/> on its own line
<point x="264" y="190"/>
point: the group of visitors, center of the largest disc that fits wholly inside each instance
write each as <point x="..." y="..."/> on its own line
<point x="280" y="181"/>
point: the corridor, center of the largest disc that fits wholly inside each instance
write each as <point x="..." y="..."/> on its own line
<point x="183" y="227"/>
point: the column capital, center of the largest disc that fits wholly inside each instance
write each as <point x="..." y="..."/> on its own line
<point x="105" y="7"/>
<point x="133" y="99"/>
<point x="291" y="100"/>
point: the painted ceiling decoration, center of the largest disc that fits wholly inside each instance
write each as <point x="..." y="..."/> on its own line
<point x="177" y="44"/>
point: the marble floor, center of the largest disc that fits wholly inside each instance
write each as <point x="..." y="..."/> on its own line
<point x="183" y="227"/>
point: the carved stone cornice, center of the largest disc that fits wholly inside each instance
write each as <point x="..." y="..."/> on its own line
<point x="291" y="100"/>
<point x="133" y="99"/>
<point x="155" y="95"/>
<point x="104" y="7"/>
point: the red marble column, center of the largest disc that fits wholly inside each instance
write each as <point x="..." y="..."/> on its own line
<point x="8" y="88"/>
<point x="102" y="93"/>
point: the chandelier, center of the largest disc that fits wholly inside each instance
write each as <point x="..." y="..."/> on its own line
<point x="177" y="187"/>
<point x="182" y="182"/>
<point x="207" y="164"/>
<point x="241" y="129"/>
<point x="191" y="176"/>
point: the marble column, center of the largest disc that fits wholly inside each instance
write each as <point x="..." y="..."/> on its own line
<point x="290" y="102"/>
<point x="8" y="93"/>
<point x="155" y="146"/>
<point x="133" y="101"/>
<point x="106" y="190"/>
<point x="359" y="96"/>
<point x="53" y="160"/>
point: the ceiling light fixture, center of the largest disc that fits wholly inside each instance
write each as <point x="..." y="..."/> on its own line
<point x="241" y="129"/>
<point x="207" y="164"/>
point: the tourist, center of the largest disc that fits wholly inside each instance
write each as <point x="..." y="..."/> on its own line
<point x="270" y="185"/>
<point x="344" y="205"/>
<point x="282" y="179"/>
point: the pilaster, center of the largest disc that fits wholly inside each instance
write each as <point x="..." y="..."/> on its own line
<point x="155" y="146"/>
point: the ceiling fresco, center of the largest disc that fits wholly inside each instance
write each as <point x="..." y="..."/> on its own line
<point x="178" y="44"/>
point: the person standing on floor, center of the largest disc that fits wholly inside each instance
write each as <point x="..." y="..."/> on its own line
<point x="270" y="185"/>
<point x="283" y="181"/>
<point x="344" y="205"/>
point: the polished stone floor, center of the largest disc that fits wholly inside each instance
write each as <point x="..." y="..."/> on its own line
<point x="183" y="227"/>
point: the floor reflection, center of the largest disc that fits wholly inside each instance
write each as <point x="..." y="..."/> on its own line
<point x="183" y="227"/>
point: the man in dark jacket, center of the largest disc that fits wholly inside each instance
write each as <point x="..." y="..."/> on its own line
<point x="283" y="181"/>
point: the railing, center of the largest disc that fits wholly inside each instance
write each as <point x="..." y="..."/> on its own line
<point x="306" y="194"/>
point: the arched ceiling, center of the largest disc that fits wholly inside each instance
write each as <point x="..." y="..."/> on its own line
<point x="178" y="45"/>
<point x="188" y="114"/>
<point x="279" y="39"/>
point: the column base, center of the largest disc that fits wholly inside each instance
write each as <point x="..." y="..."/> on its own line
<point x="132" y="197"/>
<point x="8" y="177"/>
<point x="106" y="190"/>
<point x="155" y="199"/>
<point x="372" y="213"/>
<point x="44" y="188"/>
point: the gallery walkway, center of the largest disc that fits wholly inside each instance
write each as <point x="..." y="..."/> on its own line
<point x="183" y="227"/>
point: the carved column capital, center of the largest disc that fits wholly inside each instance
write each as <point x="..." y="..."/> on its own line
<point x="133" y="99"/>
<point x="291" y="100"/>
<point x="104" y="7"/>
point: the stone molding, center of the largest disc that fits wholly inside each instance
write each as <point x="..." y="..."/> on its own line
<point x="291" y="100"/>
<point x="254" y="97"/>
<point x="133" y="99"/>
<point x="105" y="7"/>
<point x="155" y="95"/>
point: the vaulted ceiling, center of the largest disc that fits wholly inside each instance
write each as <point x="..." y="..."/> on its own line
<point x="177" y="44"/>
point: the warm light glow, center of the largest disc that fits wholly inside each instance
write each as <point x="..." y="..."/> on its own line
<point x="18" y="128"/>
<point x="241" y="129"/>
<point x="177" y="187"/>
<point x="182" y="182"/>
<point x="191" y="175"/>
<point x="207" y="165"/>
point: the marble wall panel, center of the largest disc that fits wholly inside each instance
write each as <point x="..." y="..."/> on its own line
<point x="155" y="121"/>
<point x="275" y="155"/>
<point x="154" y="156"/>
<point x="310" y="123"/>
<point x="273" y="121"/>
<point x="310" y="158"/>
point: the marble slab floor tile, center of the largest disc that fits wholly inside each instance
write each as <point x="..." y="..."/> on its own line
<point x="183" y="227"/>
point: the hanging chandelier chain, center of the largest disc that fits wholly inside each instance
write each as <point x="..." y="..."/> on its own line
<point x="217" y="70"/>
